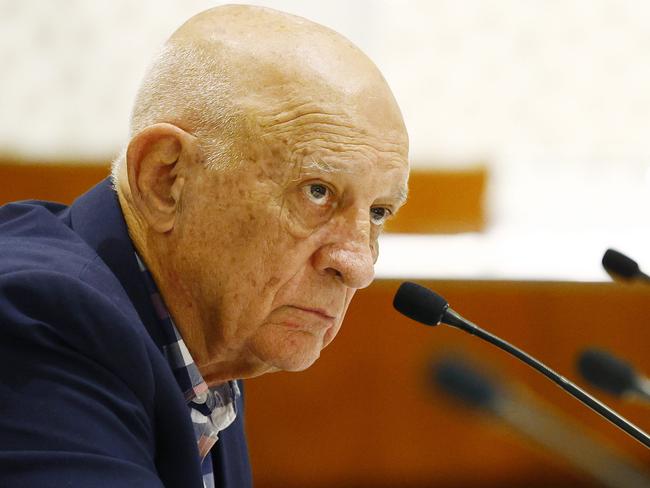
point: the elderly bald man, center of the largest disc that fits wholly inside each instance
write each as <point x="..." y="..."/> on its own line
<point x="266" y="153"/>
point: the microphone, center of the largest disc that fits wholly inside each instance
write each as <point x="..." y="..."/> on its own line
<point x="425" y="306"/>
<point x="469" y="384"/>
<point x="621" y="267"/>
<point x="460" y="380"/>
<point x="613" y="375"/>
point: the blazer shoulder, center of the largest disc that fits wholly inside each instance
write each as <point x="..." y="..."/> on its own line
<point x="34" y="235"/>
<point x="52" y="309"/>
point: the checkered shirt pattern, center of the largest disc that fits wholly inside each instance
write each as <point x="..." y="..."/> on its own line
<point x="211" y="409"/>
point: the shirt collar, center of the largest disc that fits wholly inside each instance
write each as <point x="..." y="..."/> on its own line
<point x="213" y="409"/>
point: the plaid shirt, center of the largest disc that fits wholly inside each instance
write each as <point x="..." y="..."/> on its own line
<point x="211" y="409"/>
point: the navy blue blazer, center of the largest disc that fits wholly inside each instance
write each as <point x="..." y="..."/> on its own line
<point x="87" y="398"/>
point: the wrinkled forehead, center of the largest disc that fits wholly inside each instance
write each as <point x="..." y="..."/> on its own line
<point x="316" y="133"/>
<point x="291" y="108"/>
<point x="316" y="121"/>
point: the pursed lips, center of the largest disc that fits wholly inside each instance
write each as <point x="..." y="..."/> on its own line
<point x="318" y="311"/>
<point x="314" y="318"/>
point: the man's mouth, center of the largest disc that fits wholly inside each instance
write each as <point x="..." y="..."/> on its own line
<point x="309" y="318"/>
<point x="317" y="311"/>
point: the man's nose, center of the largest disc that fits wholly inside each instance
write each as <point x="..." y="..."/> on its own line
<point x="348" y="251"/>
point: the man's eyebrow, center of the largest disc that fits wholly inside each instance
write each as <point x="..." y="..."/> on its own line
<point x="322" y="166"/>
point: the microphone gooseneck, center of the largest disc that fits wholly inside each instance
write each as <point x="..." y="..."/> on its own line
<point x="426" y="306"/>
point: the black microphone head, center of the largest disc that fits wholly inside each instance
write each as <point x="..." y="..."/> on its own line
<point x="606" y="372"/>
<point x="465" y="382"/>
<point x="419" y="303"/>
<point x="619" y="264"/>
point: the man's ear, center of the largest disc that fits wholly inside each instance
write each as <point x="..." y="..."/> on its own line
<point x="156" y="159"/>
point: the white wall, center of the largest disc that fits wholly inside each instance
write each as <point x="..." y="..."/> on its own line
<point x="554" y="95"/>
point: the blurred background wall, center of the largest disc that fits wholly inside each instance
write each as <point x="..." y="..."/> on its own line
<point x="550" y="96"/>
<point x="531" y="152"/>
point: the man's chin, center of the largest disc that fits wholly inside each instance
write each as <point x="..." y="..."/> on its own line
<point x="294" y="363"/>
<point x="283" y="349"/>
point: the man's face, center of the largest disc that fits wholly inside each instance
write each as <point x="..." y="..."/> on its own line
<point x="274" y="249"/>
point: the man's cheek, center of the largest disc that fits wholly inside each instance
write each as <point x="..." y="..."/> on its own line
<point x="295" y="220"/>
<point x="333" y="331"/>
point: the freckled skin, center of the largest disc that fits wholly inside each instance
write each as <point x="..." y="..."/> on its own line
<point x="259" y="266"/>
<point x="268" y="247"/>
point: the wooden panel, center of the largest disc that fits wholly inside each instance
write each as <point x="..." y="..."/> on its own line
<point x="52" y="181"/>
<point x="364" y="415"/>
<point x="444" y="202"/>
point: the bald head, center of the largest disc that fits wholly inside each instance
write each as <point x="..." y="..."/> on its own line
<point x="264" y="47"/>
<point x="225" y="71"/>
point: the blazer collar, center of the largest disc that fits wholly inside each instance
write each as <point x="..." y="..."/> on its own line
<point x="97" y="217"/>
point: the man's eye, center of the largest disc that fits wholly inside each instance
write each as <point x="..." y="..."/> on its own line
<point x="378" y="215"/>
<point x="317" y="193"/>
